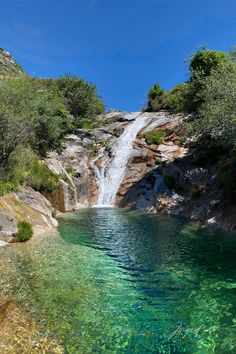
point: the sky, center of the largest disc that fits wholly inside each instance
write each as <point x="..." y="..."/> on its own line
<point x="122" y="46"/>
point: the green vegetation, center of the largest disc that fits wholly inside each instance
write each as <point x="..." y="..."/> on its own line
<point x="25" y="231"/>
<point x="35" y="116"/>
<point x="209" y="93"/>
<point x="8" y="187"/>
<point x="185" y="97"/>
<point x="155" y="137"/>
<point x="81" y="99"/>
<point x="24" y="168"/>
<point x="158" y="160"/>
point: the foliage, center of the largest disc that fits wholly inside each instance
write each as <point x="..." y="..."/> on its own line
<point x="155" y="137"/>
<point x="19" y="163"/>
<point x="41" y="178"/>
<point x="69" y="169"/>
<point x="217" y="114"/>
<point x="25" y="231"/>
<point x="158" y="160"/>
<point x="155" y="97"/>
<point x="30" y="115"/>
<point x="205" y="61"/>
<point x="25" y="168"/>
<point x="81" y="99"/>
<point x="8" y="187"/>
<point x="184" y="97"/>
<point x="175" y="100"/>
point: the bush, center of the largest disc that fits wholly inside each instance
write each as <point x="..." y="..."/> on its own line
<point x="8" y="187"/>
<point x="24" y="167"/>
<point x="31" y="114"/>
<point x="185" y="97"/>
<point x="205" y="61"/>
<point x="41" y="178"/>
<point x="81" y="99"/>
<point x="25" y="231"/>
<point x="155" y="137"/>
<point x="19" y="163"/>
<point x="216" y="118"/>
<point x="158" y="160"/>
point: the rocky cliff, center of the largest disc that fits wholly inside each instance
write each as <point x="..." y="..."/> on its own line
<point x="26" y="205"/>
<point x="162" y="178"/>
<point x="8" y="66"/>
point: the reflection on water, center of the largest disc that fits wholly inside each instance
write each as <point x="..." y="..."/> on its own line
<point x="125" y="282"/>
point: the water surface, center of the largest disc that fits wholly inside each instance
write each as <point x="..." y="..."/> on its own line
<point x="124" y="282"/>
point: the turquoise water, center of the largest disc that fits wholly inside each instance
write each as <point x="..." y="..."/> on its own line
<point x="125" y="282"/>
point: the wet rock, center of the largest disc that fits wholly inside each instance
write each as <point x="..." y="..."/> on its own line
<point x="8" y="226"/>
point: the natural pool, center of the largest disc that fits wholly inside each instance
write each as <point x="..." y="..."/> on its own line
<point x="124" y="282"/>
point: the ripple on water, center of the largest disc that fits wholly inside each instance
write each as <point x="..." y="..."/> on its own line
<point x="125" y="282"/>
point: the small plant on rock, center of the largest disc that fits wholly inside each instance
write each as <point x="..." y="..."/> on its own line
<point x="25" y="231"/>
<point x="156" y="138"/>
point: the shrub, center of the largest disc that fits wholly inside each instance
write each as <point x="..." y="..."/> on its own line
<point x="25" y="231"/>
<point x="81" y="99"/>
<point x="19" y="163"/>
<point x="155" y="137"/>
<point x="158" y="160"/>
<point x="216" y="118"/>
<point x="41" y="178"/>
<point x="8" y="187"/>
<point x="25" y="168"/>
<point x="31" y="114"/>
<point x="70" y="169"/>
<point x="155" y="96"/>
<point x="205" y="61"/>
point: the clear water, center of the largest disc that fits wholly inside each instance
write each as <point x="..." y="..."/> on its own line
<point x="125" y="282"/>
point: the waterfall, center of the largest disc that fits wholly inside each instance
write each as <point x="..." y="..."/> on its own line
<point x="111" y="172"/>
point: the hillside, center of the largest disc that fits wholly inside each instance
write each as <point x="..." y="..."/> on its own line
<point x="8" y="66"/>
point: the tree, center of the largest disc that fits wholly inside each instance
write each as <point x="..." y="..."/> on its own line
<point x="31" y="115"/>
<point x="81" y="99"/>
<point x="205" y="61"/>
<point x="155" y="96"/>
<point x="217" y="114"/>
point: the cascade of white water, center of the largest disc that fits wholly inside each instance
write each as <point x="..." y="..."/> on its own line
<point x="111" y="173"/>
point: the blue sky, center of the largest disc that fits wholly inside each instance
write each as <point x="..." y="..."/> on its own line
<point x="123" y="46"/>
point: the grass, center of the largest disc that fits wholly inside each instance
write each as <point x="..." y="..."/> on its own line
<point x="156" y="138"/>
<point x="25" y="231"/>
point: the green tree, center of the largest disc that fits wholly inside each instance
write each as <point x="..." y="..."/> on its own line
<point x="30" y="114"/>
<point x="217" y="114"/>
<point x="81" y="99"/>
<point x="155" y="96"/>
<point x="205" y="61"/>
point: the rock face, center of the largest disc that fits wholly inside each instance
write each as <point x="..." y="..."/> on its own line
<point x="159" y="178"/>
<point x="8" y="66"/>
<point x="26" y="205"/>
